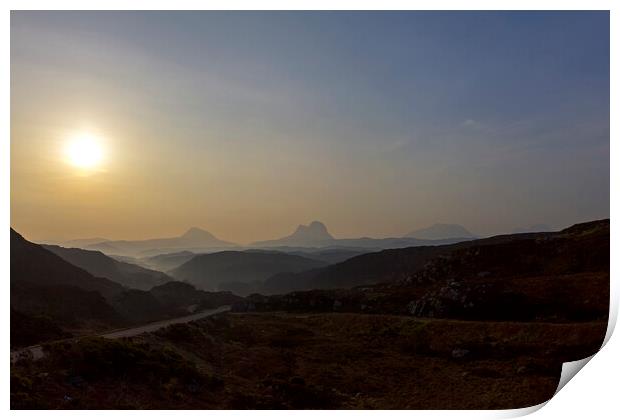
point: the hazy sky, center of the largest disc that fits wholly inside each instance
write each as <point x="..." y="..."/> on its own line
<point x="247" y="124"/>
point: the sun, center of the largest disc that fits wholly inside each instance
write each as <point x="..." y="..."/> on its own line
<point x="84" y="151"/>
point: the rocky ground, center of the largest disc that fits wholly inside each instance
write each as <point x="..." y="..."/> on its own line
<point x="299" y="361"/>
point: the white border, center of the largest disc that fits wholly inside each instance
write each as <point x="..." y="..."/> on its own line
<point x="593" y="394"/>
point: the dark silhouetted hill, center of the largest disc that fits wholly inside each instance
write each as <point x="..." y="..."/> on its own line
<point x="100" y="265"/>
<point x="560" y="276"/>
<point x="330" y="255"/>
<point x="376" y="267"/>
<point x="167" y="262"/>
<point x="33" y="264"/>
<point x="44" y="286"/>
<point x="376" y="244"/>
<point x="389" y="265"/>
<point x="214" y="271"/>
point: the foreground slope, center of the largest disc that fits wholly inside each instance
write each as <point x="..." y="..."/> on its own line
<point x="320" y="361"/>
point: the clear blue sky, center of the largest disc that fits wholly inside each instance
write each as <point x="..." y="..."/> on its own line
<point x="248" y="124"/>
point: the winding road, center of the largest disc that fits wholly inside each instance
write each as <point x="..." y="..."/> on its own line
<point x="38" y="353"/>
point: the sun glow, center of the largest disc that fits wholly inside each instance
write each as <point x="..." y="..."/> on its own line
<point x="84" y="151"/>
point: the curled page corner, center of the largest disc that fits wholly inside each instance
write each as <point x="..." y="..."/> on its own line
<point x="569" y="370"/>
<point x="520" y="412"/>
<point x="613" y="315"/>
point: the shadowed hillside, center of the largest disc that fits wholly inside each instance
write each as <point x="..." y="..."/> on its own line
<point x="47" y="290"/>
<point x="236" y="270"/>
<point x="376" y="267"/>
<point x="98" y="264"/>
<point x="167" y="262"/>
<point x="31" y="263"/>
<point x="555" y="276"/>
<point x="390" y="265"/>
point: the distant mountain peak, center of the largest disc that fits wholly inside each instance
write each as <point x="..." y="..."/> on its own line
<point x="315" y="228"/>
<point x="441" y="231"/>
<point x="196" y="233"/>
<point x="313" y="234"/>
<point x="314" y="231"/>
<point x="193" y="238"/>
<point x="540" y="227"/>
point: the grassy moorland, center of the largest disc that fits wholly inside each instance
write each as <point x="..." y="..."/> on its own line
<point x="280" y="360"/>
